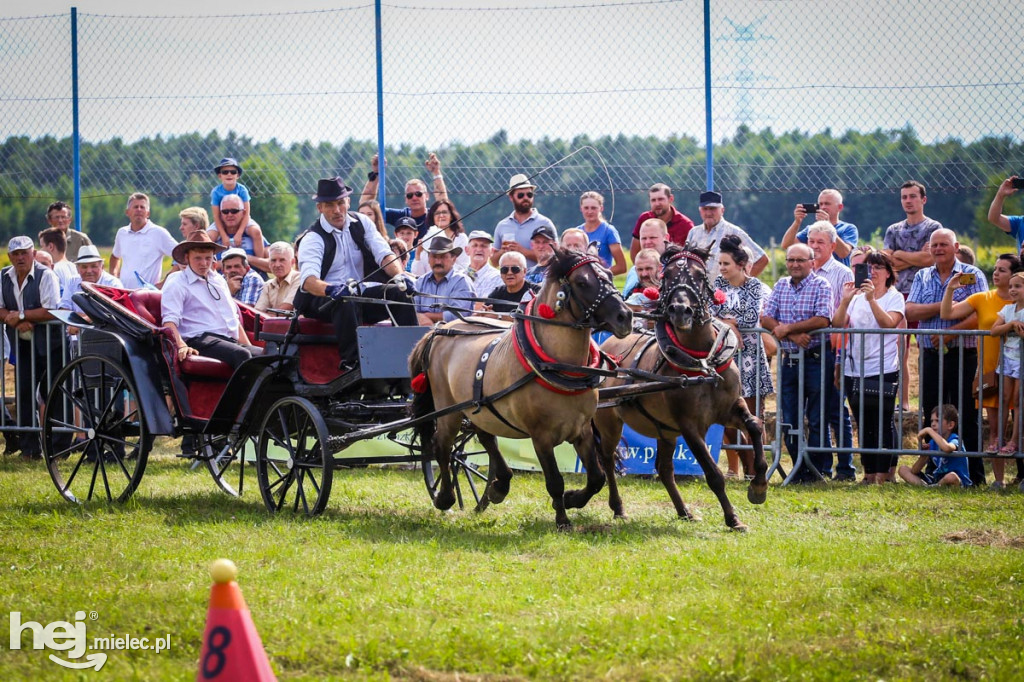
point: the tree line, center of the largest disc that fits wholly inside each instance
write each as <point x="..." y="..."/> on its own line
<point x="762" y="175"/>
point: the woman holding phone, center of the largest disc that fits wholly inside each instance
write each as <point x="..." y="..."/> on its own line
<point x="987" y="305"/>
<point x="871" y="363"/>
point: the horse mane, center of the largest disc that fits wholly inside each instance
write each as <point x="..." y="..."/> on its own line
<point x="562" y="262"/>
<point x="674" y="249"/>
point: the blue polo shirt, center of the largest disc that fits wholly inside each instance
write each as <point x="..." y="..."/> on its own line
<point x="846" y="231"/>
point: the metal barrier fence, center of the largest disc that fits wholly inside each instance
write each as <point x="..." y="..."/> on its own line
<point x="682" y="91"/>
<point x="25" y="418"/>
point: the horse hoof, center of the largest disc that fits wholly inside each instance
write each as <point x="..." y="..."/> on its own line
<point x="691" y="517"/>
<point x="757" y="496"/>
<point x="497" y="491"/>
<point x="574" y="500"/>
<point x="482" y="505"/>
<point x="740" y="527"/>
<point x="444" y="501"/>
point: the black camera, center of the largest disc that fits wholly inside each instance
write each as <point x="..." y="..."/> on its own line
<point x="1017" y="183"/>
<point x="810" y="209"/>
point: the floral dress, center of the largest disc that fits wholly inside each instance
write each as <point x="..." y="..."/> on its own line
<point x="744" y="303"/>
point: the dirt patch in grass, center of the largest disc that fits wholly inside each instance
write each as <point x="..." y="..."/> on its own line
<point x="984" y="538"/>
<point x="424" y="675"/>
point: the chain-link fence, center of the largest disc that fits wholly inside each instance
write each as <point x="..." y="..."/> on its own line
<point x="859" y="95"/>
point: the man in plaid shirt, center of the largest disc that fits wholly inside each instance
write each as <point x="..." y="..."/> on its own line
<point x="954" y="357"/>
<point x="245" y="285"/>
<point x="798" y="305"/>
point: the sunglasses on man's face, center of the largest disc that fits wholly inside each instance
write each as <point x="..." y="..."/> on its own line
<point x="514" y="269"/>
<point x="231" y="211"/>
<point x="229" y="171"/>
<point x="410" y="195"/>
<point x="524" y="195"/>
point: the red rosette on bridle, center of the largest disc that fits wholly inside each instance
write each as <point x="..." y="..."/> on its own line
<point x="651" y="293"/>
<point x="545" y="311"/>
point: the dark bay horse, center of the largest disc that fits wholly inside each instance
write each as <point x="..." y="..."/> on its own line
<point x="687" y="342"/>
<point x="517" y="381"/>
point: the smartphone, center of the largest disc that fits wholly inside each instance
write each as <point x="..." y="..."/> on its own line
<point x="968" y="279"/>
<point x="1017" y="183"/>
<point x="810" y="209"/>
<point x="860" y="274"/>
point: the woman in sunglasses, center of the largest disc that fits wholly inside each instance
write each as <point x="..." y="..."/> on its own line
<point x="512" y="267"/>
<point x="442" y="221"/>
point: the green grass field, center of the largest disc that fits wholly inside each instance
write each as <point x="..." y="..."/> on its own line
<point x="831" y="582"/>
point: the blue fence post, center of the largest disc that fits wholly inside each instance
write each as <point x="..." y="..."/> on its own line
<point x="381" y="166"/>
<point x="75" y="139"/>
<point x="709" y="170"/>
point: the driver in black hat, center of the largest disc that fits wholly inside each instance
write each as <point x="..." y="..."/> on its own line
<point x="337" y="255"/>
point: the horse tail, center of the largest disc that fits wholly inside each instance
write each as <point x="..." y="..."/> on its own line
<point x="423" y="397"/>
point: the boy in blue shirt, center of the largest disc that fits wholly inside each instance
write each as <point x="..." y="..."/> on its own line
<point x="229" y="171"/>
<point x="942" y="438"/>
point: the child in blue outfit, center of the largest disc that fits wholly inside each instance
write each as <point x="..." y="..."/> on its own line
<point x="229" y="171"/>
<point x="942" y="438"/>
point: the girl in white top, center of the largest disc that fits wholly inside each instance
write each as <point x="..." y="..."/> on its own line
<point x="443" y="220"/>
<point x="1010" y="323"/>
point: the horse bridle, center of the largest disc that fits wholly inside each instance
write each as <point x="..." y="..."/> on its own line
<point x="700" y="291"/>
<point x="586" y="312"/>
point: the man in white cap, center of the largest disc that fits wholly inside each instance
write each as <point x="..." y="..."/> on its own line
<point x="28" y="291"/>
<point x="140" y="246"/>
<point x="90" y="269"/>
<point x="485" y="276"/>
<point x="245" y="285"/>
<point x="514" y="232"/>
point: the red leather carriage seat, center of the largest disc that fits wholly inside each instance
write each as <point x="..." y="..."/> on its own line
<point x="208" y="368"/>
<point x="307" y="326"/>
<point x="147" y="305"/>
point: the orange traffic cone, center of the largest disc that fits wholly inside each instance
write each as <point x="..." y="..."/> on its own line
<point x="232" y="649"/>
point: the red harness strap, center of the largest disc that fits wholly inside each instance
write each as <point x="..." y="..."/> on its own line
<point x="695" y="353"/>
<point x="594" y="359"/>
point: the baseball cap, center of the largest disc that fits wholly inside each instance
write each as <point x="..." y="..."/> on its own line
<point x="232" y="252"/>
<point x="406" y="223"/>
<point x="544" y="231"/>
<point x="710" y="200"/>
<point x="481" y="234"/>
<point x="19" y="243"/>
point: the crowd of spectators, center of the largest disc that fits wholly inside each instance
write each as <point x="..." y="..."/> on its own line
<point x="839" y="385"/>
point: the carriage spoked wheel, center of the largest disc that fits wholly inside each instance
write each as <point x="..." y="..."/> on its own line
<point x="224" y="457"/>
<point x="294" y="466"/>
<point x="95" y="440"/>
<point x="464" y="472"/>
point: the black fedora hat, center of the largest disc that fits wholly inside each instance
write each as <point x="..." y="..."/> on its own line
<point x="331" y="189"/>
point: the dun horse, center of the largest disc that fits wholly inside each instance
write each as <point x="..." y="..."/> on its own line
<point x="517" y="381"/>
<point x="687" y="342"/>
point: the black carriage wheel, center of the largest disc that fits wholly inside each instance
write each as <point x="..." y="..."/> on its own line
<point x="103" y="451"/>
<point x="224" y="457"/>
<point x="294" y="466"/>
<point x="464" y="472"/>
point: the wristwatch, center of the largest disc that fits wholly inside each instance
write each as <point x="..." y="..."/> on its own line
<point x="21" y="315"/>
<point x="372" y="175"/>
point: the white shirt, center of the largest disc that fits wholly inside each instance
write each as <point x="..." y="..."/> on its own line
<point x="75" y="285"/>
<point x="49" y="288"/>
<point x="142" y="253"/>
<point x="187" y="301"/>
<point x="65" y="271"/>
<point x="861" y="317"/>
<point x="348" y="259"/>
<point x="702" y="237"/>
<point x="487" y="279"/>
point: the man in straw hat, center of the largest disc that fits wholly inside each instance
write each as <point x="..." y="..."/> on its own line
<point x="514" y="232"/>
<point x="198" y="309"/>
<point x="338" y="255"/>
<point x="442" y="281"/>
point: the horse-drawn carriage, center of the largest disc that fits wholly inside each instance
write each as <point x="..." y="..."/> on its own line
<point x="291" y="407"/>
<point x="535" y="377"/>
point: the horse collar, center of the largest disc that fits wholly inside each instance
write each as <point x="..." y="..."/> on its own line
<point x="533" y="358"/>
<point x="693" y="362"/>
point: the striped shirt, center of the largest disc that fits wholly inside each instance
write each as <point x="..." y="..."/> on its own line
<point x="837" y="274"/>
<point x="928" y="287"/>
<point x="787" y="304"/>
